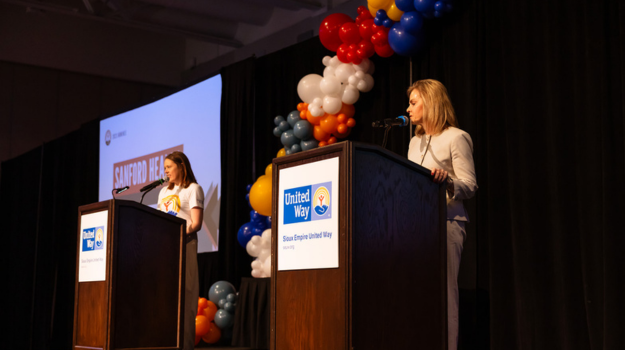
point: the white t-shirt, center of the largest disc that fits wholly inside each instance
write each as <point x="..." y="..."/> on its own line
<point x="179" y="201"/>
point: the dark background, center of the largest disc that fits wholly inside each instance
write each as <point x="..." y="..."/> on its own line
<point x="538" y="85"/>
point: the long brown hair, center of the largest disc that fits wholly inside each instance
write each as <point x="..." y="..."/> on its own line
<point x="184" y="166"/>
<point x="438" y="112"/>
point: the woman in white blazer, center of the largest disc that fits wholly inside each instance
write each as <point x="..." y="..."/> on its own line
<point x="447" y="151"/>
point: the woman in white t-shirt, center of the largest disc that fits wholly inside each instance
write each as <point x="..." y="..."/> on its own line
<point x="184" y="198"/>
<point x="447" y="151"/>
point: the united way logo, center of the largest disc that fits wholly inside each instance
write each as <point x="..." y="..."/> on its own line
<point x="308" y="203"/>
<point x="92" y="238"/>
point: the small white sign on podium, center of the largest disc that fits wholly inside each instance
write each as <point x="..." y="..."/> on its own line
<point x="308" y="212"/>
<point x="92" y="247"/>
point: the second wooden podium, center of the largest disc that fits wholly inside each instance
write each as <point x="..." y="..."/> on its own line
<point x="374" y="280"/>
<point x="129" y="278"/>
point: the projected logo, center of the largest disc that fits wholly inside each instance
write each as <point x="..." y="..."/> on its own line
<point x="93" y="238"/>
<point x="171" y="204"/>
<point x="107" y="137"/>
<point x="308" y="203"/>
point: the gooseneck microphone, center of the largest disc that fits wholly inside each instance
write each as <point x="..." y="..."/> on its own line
<point x="154" y="184"/>
<point x="402" y="120"/>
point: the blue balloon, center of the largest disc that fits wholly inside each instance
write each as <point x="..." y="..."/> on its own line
<point x="248" y="187"/>
<point x="303" y="129"/>
<point x="405" y="5"/>
<point x="220" y="290"/>
<point x="268" y="222"/>
<point x="288" y="139"/>
<point x="245" y="234"/>
<point x="278" y="119"/>
<point x="388" y="23"/>
<point x="412" y="22"/>
<point x="439" y="6"/>
<point x="438" y="14"/>
<point x="424" y="5"/>
<point x="404" y="44"/>
<point x="257" y="231"/>
<point x="309" y="144"/>
<point x="224" y="319"/>
<point x="293" y="118"/>
<point x="255" y="217"/>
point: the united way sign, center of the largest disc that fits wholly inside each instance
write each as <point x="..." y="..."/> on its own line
<point x="92" y="243"/>
<point x="308" y="226"/>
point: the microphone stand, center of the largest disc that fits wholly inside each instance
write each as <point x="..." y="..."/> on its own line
<point x="146" y="192"/>
<point x="388" y="128"/>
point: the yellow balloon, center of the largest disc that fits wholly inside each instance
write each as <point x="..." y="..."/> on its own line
<point x="268" y="169"/>
<point x="380" y="4"/>
<point x="260" y="195"/>
<point x="281" y="153"/>
<point x="394" y="13"/>
<point x="373" y="10"/>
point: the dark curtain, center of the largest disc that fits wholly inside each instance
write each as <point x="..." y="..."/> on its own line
<point x="237" y="157"/>
<point x="44" y="188"/>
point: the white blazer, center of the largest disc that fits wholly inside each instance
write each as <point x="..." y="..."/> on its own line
<point x="452" y="151"/>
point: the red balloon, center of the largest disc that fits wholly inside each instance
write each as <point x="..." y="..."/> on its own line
<point x="380" y="38"/>
<point x="384" y="51"/>
<point x="341" y="53"/>
<point x="329" y="30"/>
<point x="366" y="29"/>
<point x="365" y="49"/>
<point x="349" y="33"/>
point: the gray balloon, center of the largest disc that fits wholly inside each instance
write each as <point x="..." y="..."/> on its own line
<point x="303" y="130"/>
<point x="296" y="148"/>
<point x="288" y="139"/>
<point x="278" y="119"/>
<point x="277" y="132"/>
<point x="309" y="144"/>
<point x="293" y="118"/>
<point x="284" y="126"/>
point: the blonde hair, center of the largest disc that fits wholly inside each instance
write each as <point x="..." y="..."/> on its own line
<point x="438" y="112"/>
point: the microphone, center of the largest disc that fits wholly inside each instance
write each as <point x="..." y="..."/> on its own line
<point x="402" y="120"/>
<point x="120" y="190"/>
<point x="154" y="184"/>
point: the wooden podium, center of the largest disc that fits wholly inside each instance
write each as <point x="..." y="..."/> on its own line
<point x="129" y="278"/>
<point x="390" y="289"/>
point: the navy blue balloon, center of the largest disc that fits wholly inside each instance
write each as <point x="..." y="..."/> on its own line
<point x="255" y="217"/>
<point x="438" y="14"/>
<point x="288" y="139"/>
<point x="405" y="5"/>
<point x="424" y="6"/>
<point x="303" y="129"/>
<point x="309" y="144"/>
<point x="258" y="230"/>
<point x="293" y="118"/>
<point x="388" y="23"/>
<point x="278" y="119"/>
<point x="268" y="222"/>
<point x="378" y="21"/>
<point x="249" y="187"/>
<point x="245" y="234"/>
<point x="412" y="22"/>
<point x="402" y="43"/>
<point x="439" y="6"/>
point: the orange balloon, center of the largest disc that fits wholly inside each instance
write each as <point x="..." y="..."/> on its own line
<point x="213" y="334"/>
<point x="319" y="134"/>
<point x="302" y="114"/>
<point x="341" y="129"/>
<point x="342" y="136"/>
<point x="351" y="122"/>
<point x="202" y="325"/>
<point x="329" y="123"/>
<point x="210" y="311"/>
<point x="331" y="140"/>
<point x="342" y="118"/>
<point x="348" y="110"/>
<point x="201" y="305"/>
<point x="281" y="153"/>
<point x="300" y="106"/>
<point x="314" y="120"/>
<point x="322" y="143"/>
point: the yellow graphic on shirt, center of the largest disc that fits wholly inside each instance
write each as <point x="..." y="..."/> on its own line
<point x="171" y="204"/>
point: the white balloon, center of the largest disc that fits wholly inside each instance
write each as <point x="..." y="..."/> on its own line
<point x="308" y="88"/>
<point x="332" y="104"/>
<point x="344" y="71"/>
<point x="265" y="239"/>
<point x="267" y="267"/>
<point x="256" y="274"/>
<point x="264" y="253"/>
<point x="350" y="95"/>
<point x="328" y="72"/>
<point x="368" y="83"/>
<point x="316" y="111"/>
<point x="335" y="62"/>
<point x="360" y="74"/>
<point x="354" y="80"/>
<point x="326" y="61"/>
<point x="330" y="86"/>
<point x="363" y="66"/>
<point x="256" y="264"/>
<point x="252" y="247"/>
<point x="318" y="101"/>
